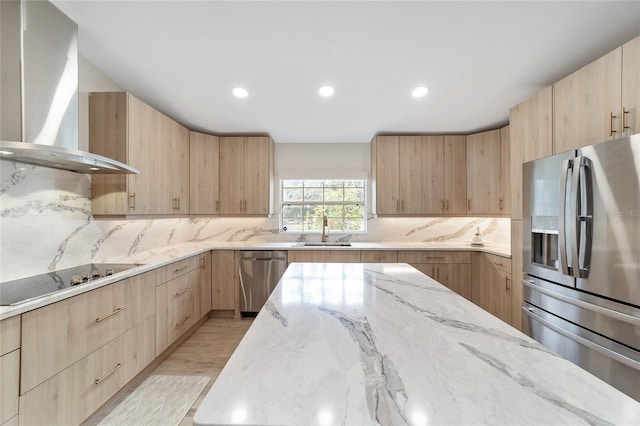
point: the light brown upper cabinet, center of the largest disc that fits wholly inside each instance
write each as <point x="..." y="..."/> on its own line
<point x="246" y="175"/>
<point x="483" y="173"/>
<point x="444" y="175"/>
<point x="504" y="205"/>
<point x="630" y="120"/>
<point x="204" y="173"/>
<point x="599" y="101"/>
<point x="420" y="175"/>
<point x="126" y="129"/>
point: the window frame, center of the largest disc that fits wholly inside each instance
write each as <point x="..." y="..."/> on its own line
<point x="363" y="204"/>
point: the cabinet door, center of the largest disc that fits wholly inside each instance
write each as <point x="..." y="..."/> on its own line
<point x="516" y="154"/>
<point x="231" y="175"/>
<point x="257" y="153"/>
<point x="9" y="385"/>
<point x="631" y="86"/>
<point x="410" y="174"/>
<point x="516" y="274"/>
<point x="205" y="284"/>
<point x="433" y="198"/>
<point x="204" y="173"/>
<point x="224" y="280"/>
<point x="149" y="190"/>
<point x="585" y="101"/>
<point x="456" y="277"/>
<point x="505" y="178"/>
<point x="483" y="172"/>
<point x="178" y="164"/>
<point x="455" y="174"/>
<point x="387" y="175"/>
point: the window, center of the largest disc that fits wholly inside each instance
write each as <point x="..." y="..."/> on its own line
<point x="305" y="201"/>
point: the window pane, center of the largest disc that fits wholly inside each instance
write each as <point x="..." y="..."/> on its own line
<point x="313" y="183"/>
<point x="354" y="183"/>
<point x="335" y="211"/>
<point x="292" y="183"/>
<point x="334" y="183"/>
<point x="354" y="210"/>
<point x="292" y="212"/>
<point x="291" y="194"/>
<point x="354" y="194"/>
<point x="333" y="194"/>
<point x="313" y="194"/>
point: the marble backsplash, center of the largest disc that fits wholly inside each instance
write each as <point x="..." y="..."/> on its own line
<point x="46" y="224"/>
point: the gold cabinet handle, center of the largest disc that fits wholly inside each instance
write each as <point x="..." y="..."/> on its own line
<point x="118" y="365"/>
<point x="245" y="206"/>
<point x="180" y="293"/>
<point x="183" y="321"/>
<point x="217" y="205"/>
<point x="435" y="257"/>
<point x="468" y="205"/>
<point x="116" y="311"/>
<point x="202" y="261"/>
<point x="398" y="206"/>
<point x="625" y="114"/>
<point x="442" y="205"/>
<point x="402" y="206"/>
<point x="611" y="118"/>
<point x="178" y="199"/>
<point x="501" y="204"/>
<point x="507" y="287"/>
<point x="437" y="272"/>
<point x="181" y="269"/>
<point x="132" y="201"/>
<point x="446" y="205"/>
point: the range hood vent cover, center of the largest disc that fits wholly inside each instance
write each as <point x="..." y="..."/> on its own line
<point x="39" y="87"/>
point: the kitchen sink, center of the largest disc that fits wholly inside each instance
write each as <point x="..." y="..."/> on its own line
<point x="320" y="244"/>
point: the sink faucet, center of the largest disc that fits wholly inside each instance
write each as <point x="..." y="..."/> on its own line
<point x="325" y="223"/>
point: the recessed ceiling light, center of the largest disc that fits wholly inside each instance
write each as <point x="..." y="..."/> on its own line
<point x="419" y="92"/>
<point x="239" y="92"/>
<point x="6" y="152"/>
<point x="94" y="168"/>
<point x="326" y="91"/>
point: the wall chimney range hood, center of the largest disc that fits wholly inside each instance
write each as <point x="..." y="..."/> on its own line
<point x="39" y="90"/>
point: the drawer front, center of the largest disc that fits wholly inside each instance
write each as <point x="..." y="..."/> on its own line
<point x="9" y="385"/>
<point x="339" y="256"/>
<point x="176" y="291"/>
<point x="57" y="335"/>
<point x="72" y="395"/>
<point x="379" y="256"/>
<point x="169" y="272"/>
<point x="500" y="263"/>
<point x="175" y="322"/>
<point x="434" y="257"/>
<point x="9" y="334"/>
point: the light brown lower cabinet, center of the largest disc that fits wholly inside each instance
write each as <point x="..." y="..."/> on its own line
<point x="73" y="394"/>
<point x="10" y="383"/>
<point x="205" y="284"/>
<point x="492" y="284"/>
<point x="451" y="269"/>
<point x="341" y="256"/>
<point x="225" y="281"/>
<point x="177" y="308"/>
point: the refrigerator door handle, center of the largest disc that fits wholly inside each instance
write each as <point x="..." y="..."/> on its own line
<point x="574" y="205"/>
<point x="584" y="217"/>
<point x="562" y="234"/>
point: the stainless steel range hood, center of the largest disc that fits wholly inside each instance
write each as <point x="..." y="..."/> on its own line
<point x="39" y="90"/>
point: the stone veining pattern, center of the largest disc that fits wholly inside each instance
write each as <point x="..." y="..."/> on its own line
<point x="383" y="344"/>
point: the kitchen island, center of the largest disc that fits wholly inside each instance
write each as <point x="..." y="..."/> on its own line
<point x="359" y="344"/>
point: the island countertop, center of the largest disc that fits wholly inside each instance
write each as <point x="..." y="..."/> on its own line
<point x="360" y="344"/>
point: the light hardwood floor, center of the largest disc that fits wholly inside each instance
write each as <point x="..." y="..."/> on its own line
<point x="204" y="353"/>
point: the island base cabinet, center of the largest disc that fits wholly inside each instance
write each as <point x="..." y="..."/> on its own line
<point x="72" y="395"/>
<point x="451" y="269"/>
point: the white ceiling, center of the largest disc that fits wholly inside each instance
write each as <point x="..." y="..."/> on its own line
<point x="477" y="58"/>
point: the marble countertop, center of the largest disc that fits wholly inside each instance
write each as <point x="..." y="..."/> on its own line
<point x="361" y="344"/>
<point x="152" y="259"/>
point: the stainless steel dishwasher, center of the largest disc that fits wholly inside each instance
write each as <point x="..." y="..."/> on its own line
<point x="260" y="272"/>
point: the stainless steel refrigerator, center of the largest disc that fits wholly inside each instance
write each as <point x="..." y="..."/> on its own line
<point x="581" y="257"/>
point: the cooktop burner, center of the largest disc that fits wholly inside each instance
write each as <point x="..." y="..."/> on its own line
<point x="24" y="289"/>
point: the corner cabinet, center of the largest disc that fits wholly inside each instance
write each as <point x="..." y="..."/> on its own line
<point x="246" y="175"/>
<point x="484" y="173"/>
<point x="126" y="129"/>
<point x="491" y="289"/>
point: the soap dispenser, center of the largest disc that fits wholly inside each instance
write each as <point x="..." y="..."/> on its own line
<point x="477" y="238"/>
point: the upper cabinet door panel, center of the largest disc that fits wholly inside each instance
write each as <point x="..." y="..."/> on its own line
<point x="505" y="172"/>
<point x="587" y="104"/>
<point x="410" y="174"/>
<point x="256" y="176"/>
<point x="483" y="172"/>
<point x="231" y="175"/>
<point x="387" y="174"/>
<point x="433" y="198"/>
<point x="455" y="174"/>
<point x="204" y="173"/>
<point x="631" y="86"/>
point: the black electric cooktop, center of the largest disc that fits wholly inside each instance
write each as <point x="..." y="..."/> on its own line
<point x="25" y="289"/>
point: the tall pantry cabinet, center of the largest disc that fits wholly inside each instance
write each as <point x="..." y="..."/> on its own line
<point x="126" y="129"/>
